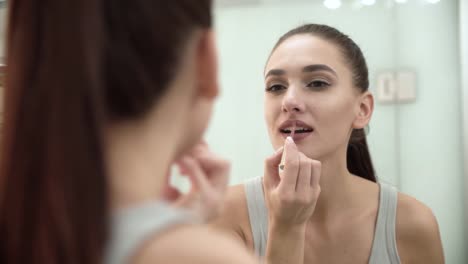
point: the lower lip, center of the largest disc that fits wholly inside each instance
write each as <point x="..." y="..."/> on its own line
<point x="297" y="136"/>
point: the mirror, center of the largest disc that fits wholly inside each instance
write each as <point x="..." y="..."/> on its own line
<point x="416" y="142"/>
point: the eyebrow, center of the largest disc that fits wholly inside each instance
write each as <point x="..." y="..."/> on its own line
<point x="275" y="72"/>
<point x="308" y="68"/>
<point x="319" y="67"/>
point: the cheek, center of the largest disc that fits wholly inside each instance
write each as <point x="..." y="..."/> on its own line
<point x="270" y="112"/>
<point x="198" y="123"/>
<point x="338" y="118"/>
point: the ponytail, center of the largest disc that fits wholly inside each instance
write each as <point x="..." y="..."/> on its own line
<point x="72" y="67"/>
<point x="358" y="156"/>
<point x="53" y="195"/>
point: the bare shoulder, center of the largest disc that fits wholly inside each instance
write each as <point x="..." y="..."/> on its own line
<point x="235" y="200"/>
<point x="193" y="244"/>
<point x="417" y="232"/>
<point x="234" y="216"/>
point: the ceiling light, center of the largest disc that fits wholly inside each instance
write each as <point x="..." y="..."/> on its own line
<point x="368" y="2"/>
<point x="332" y="4"/>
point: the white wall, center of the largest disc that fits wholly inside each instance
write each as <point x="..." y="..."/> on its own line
<point x="463" y="17"/>
<point x="430" y="129"/>
<point x="417" y="146"/>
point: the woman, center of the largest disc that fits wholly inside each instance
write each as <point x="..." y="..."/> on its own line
<point x="99" y="94"/>
<point x="324" y="204"/>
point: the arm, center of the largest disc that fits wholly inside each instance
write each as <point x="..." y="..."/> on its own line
<point x="195" y="245"/>
<point x="285" y="245"/>
<point x="234" y="217"/>
<point x="418" y="237"/>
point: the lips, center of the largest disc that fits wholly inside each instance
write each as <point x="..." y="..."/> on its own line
<point x="300" y="128"/>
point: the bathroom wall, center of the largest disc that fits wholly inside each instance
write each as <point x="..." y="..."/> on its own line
<point x="463" y="18"/>
<point x="431" y="128"/>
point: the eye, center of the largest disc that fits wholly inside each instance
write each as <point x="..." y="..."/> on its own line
<point x="275" y="88"/>
<point x="318" y="85"/>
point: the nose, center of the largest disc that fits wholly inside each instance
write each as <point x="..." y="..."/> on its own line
<point x="292" y="102"/>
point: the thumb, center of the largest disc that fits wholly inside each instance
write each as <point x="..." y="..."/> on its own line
<point x="290" y="153"/>
<point x="271" y="177"/>
<point x="170" y="194"/>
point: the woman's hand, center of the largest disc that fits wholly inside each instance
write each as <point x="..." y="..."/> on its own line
<point x="209" y="176"/>
<point x="291" y="198"/>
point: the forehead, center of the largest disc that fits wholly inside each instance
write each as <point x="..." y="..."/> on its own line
<point x="302" y="50"/>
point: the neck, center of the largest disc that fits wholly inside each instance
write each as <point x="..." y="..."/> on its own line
<point x="139" y="156"/>
<point x="336" y="187"/>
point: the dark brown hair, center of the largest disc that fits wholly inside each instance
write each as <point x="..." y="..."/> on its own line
<point x="358" y="157"/>
<point x="72" y="66"/>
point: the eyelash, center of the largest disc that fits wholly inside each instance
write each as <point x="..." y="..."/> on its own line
<point x="273" y="89"/>
<point x="323" y="85"/>
<point x="312" y="85"/>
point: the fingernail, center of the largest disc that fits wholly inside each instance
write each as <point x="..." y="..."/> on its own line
<point x="290" y="139"/>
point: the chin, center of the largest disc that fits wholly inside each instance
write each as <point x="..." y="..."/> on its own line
<point x="189" y="141"/>
<point x="310" y="149"/>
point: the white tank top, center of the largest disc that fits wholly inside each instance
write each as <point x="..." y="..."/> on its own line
<point x="384" y="249"/>
<point x="131" y="228"/>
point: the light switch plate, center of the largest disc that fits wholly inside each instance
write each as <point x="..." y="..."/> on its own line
<point x="386" y="87"/>
<point x="406" y="84"/>
<point x="396" y="86"/>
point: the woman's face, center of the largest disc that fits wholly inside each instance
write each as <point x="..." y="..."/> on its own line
<point x="308" y="84"/>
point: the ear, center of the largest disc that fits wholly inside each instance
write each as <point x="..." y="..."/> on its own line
<point x="365" y="110"/>
<point x="207" y="65"/>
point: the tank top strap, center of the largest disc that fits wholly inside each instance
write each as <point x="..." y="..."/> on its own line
<point x="384" y="248"/>
<point x="258" y="214"/>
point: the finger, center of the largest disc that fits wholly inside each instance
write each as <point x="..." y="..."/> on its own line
<point x="182" y="169"/>
<point x="316" y="172"/>
<point x="196" y="175"/>
<point x="271" y="177"/>
<point x="216" y="169"/>
<point x="212" y="164"/>
<point x="170" y="193"/>
<point x="304" y="177"/>
<point x="291" y="165"/>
